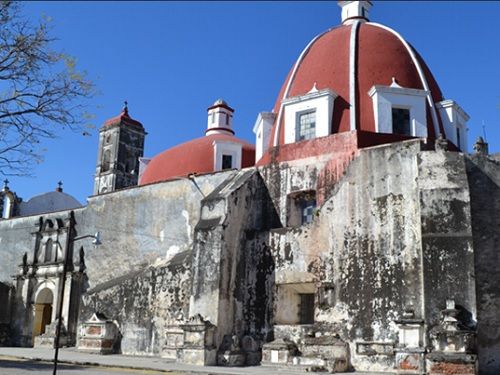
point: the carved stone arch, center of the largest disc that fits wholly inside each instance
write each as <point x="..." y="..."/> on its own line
<point x="40" y="286"/>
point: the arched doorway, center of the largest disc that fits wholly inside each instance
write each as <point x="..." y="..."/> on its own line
<point x="43" y="311"/>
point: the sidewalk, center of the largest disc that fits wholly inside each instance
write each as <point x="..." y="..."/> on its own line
<point x="72" y="356"/>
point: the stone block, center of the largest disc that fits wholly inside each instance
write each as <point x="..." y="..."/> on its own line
<point x="455" y="364"/>
<point x="279" y="351"/>
<point x="231" y="359"/>
<point x="410" y="362"/>
<point x="98" y="335"/>
<point x="199" y="357"/>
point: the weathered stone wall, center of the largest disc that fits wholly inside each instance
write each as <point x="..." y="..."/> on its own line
<point x="448" y="255"/>
<point x="141" y="228"/>
<point x="484" y="182"/>
<point x="6" y="294"/>
<point x="137" y="226"/>
<point x="230" y="215"/>
<point x="143" y="303"/>
<point x="399" y="215"/>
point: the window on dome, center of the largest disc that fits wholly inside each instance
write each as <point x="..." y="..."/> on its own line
<point x="227" y="118"/>
<point x="306" y="126"/>
<point x="227" y="162"/>
<point x="213" y="117"/>
<point x="401" y="121"/>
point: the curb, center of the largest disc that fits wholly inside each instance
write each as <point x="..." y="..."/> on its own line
<point x="89" y="364"/>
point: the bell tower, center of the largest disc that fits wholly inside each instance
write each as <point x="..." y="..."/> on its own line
<point x="121" y="144"/>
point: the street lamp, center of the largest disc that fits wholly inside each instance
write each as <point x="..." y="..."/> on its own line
<point x="69" y="241"/>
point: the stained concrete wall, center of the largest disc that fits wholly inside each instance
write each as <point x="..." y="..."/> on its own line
<point x="137" y="225"/>
<point x="448" y="254"/>
<point x="484" y="182"/>
<point x="399" y="215"/>
<point x="230" y="216"/>
<point x="143" y="230"/>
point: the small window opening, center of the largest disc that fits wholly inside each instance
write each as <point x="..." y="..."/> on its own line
<point x="306" y="126"/>
<point x="213" y="117"/>
<point x="308" y="207"/>
<point x="301" y="208"/>
<point x="306" y="308"/>
<point x="227" y="118"/>
<point x="49" y="251"/>
<point x="227" y="162"/>
<point x="401" y="121"/>
<point x="458" y="137"/>
<point x="106" y="161"/>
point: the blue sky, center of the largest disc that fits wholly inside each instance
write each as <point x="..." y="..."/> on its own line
<point x="171" y="60"/>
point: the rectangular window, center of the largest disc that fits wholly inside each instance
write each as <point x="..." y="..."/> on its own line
<point x="308" y="207"/>
<point x="227" y="162"/>
<point x="213" y="117"/>
<point x="458" y="137"/>
<point x="306" y="126"/>
<point x="401" y="121"/>
<point x="227" y="118"/>
<point x="306" y="309"/>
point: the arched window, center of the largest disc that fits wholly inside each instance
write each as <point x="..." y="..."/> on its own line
<point x="106" y="161"/>
<point x="49" y="251"/>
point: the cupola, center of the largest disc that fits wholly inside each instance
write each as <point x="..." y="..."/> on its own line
<point x="352" y="10"/>
<point x="217" y="150"/>
<point x="220" y="118"/>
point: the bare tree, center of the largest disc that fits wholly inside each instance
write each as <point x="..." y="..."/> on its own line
<point x="40" y="90"/>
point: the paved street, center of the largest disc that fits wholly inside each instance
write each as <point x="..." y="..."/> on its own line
<point x="14" y="366"/>
<point x="23" y="361"/>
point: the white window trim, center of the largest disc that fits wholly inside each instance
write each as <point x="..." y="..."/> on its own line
<point x="453" y="118"/>
<point x="227" y="148"/>
<point x="321" y="101"/>
<point x="385" y="98"/>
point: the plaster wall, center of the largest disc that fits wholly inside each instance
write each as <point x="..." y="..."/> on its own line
<point x="398" y="216"/>
<point x="484" y="182"/>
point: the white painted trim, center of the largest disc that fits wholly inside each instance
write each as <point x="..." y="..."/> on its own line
<point x="321" y="102"/>
<point x="228" y="148"/>
<point x="420" y="73"/>
<point x="352" y="74"/>
<point x="289" y="83"/>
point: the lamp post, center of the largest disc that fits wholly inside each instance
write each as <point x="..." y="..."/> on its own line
<point x="69" y="241"/>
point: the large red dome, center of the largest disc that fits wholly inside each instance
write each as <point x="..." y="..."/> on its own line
<point x="380" y="54"/>
<point x="195" y="156"/>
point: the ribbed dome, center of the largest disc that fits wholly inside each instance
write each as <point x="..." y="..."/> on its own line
<point x="380" y="55"/>
<point x="195" y="156"/>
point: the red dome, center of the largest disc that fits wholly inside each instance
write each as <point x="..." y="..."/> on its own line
<point x="380" y="56"/>
<point x="195" y="156"/>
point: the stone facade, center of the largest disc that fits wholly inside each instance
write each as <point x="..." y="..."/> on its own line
<point x="405" y="229"/>
<point x="346" y="249"/>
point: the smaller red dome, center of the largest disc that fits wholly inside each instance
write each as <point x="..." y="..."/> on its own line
<point x="195" y="156"/>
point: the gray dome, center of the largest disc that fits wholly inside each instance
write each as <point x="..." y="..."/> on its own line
<point x="48" y="202"/>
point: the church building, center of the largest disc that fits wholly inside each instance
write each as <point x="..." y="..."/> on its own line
<point x="356" y="233"/>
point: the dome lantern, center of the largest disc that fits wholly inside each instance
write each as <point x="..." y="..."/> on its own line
<point x="220" y="118"/>
<point x="352" y="10"/>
